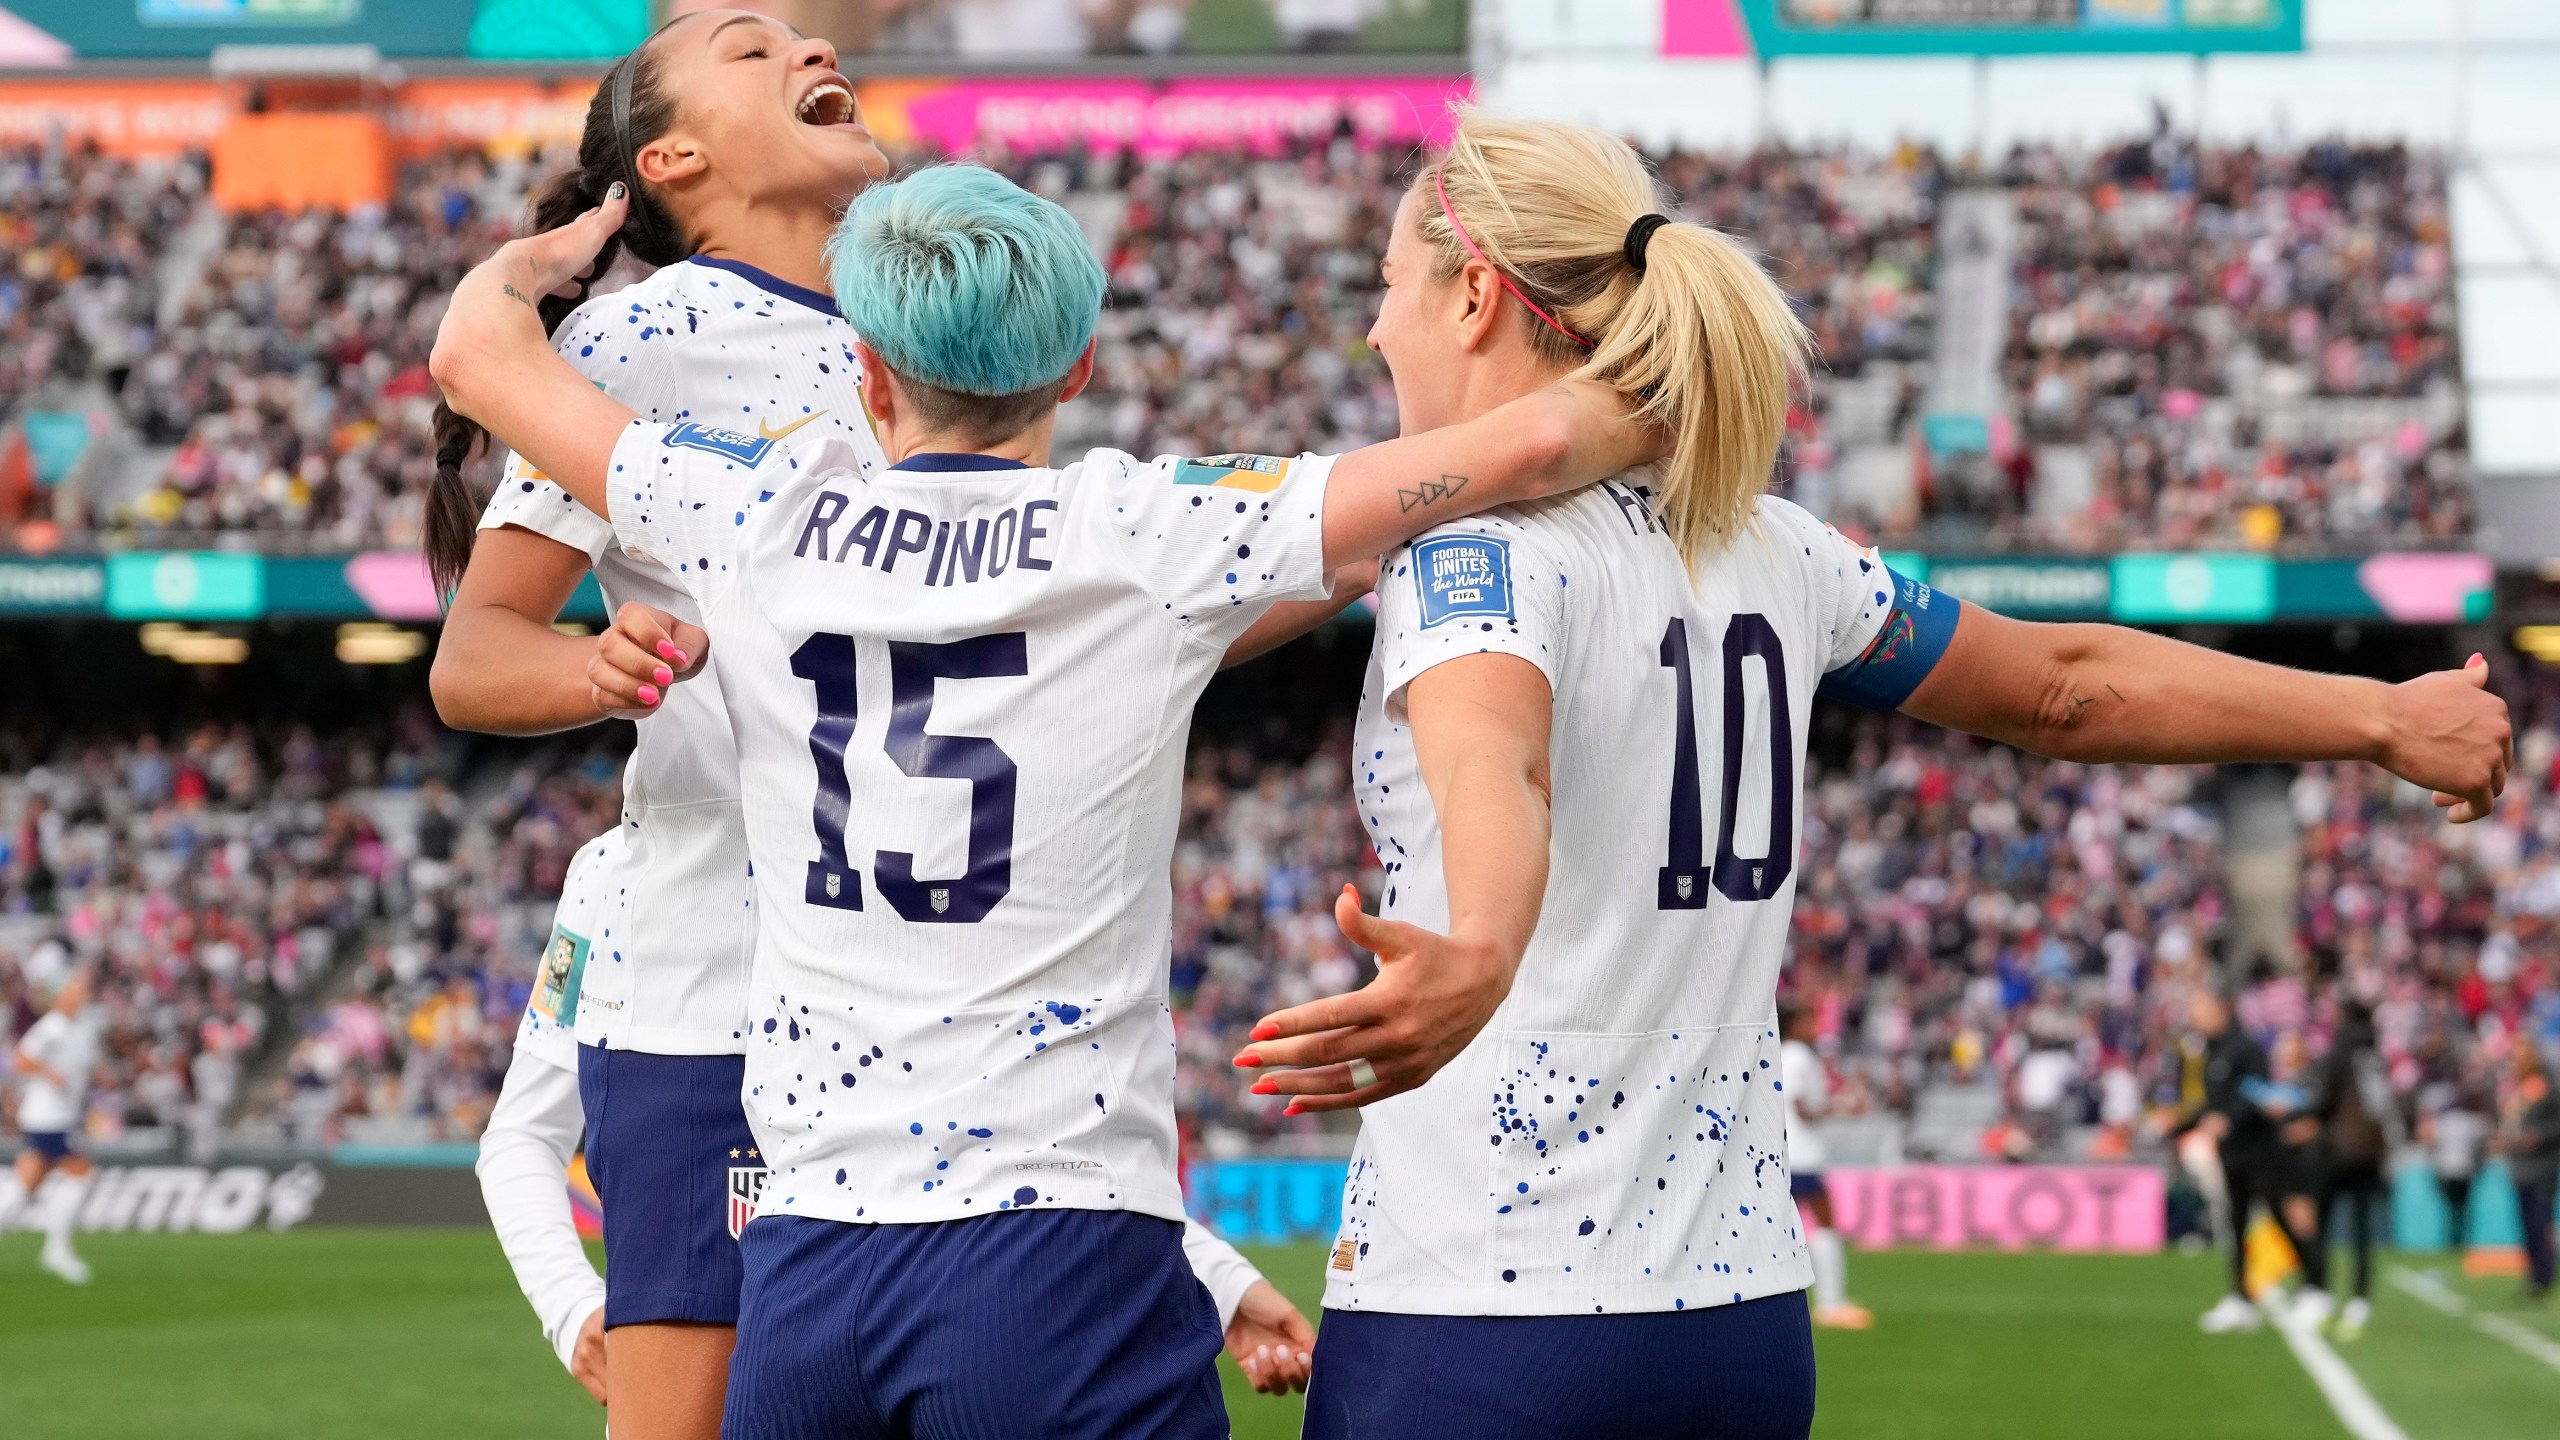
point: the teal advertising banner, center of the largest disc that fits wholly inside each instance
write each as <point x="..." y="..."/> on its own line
<point x="2422" y="588"/>
<point x="2021" y="27"/>
<point x="2181" y="589"/>
<point x="186" y="585"/>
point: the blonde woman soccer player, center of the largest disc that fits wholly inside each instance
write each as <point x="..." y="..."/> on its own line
<point x="741" y="144"/>
<point x="960" y="688"/>
<point x="1580" y="751"/>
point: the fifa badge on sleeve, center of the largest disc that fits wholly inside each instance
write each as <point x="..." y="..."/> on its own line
<point x="1462" y="577"/>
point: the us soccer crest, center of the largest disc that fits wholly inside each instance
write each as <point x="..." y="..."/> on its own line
<point x="746" y="1190"/>
<point x="940" y="898"/>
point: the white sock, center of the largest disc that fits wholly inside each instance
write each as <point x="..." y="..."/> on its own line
<point x="12" y="1198"/>
<point x="1830" y="1269"/>
<point x="69" y="1191"/>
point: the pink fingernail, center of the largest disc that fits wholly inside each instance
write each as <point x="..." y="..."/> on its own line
<point x="2474" y="660"/>
<point x="666" y="649"/>
<point x="648" y="694"/>
<point x="664" y="676"/>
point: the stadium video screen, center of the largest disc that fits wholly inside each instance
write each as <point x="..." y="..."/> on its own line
<point x="1958" y="14"/>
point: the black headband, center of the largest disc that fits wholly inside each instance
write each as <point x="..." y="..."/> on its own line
<point x="1639" y="235"/>
<point x="642" y="217"/>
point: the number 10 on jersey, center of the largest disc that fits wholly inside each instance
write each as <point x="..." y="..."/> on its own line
<point x="1686" y="877"/>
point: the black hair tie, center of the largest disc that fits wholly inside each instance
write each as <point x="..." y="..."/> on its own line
<point x="1639" y="235"/>
<point x="640" y="218"/>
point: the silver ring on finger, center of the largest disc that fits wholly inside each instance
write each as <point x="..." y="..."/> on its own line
<point x="1363" y="1074"/>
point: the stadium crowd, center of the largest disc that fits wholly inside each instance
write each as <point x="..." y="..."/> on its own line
<point x="209" y="878"/>
<point x="2255" y="348"/>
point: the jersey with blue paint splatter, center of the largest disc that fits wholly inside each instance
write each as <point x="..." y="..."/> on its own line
<point x="729" y="346"/>
<point x="961" y="689"/>
<point x="1615" y="1139"/>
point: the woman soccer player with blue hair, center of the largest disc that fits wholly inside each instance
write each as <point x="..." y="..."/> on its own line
<point x="1579" y="755"/>
<point x="959" y="688"/>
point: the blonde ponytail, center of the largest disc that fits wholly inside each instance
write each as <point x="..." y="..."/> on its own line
<point x="1700" y="338"/>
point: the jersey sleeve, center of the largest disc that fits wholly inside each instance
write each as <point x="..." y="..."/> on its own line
<point x="526" y="498"/>
<point x="682" y="494"/>
<point x="1484" y="585"/>
<point x="524" y="1155"/>
<point x="1217" y="541"/>
<point x="1882" y="633"/>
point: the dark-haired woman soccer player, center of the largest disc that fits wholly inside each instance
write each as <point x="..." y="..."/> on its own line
<point x="740" y="144"/>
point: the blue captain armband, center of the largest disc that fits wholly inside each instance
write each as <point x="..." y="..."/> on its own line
<point x="1915" y="634"/>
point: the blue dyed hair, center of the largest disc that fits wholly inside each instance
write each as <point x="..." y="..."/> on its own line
<point x="964" y="281"/>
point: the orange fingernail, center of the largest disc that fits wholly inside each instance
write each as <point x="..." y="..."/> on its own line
<point x="1266" y="1031"/>
<point x="1295" y="1108"/>
<point x="1248" y="1060"/>
<point x="664" y="676"/>
<point x="1266" y="1086"/>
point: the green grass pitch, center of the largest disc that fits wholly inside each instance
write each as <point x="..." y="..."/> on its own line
<point x="387" y="1334"/>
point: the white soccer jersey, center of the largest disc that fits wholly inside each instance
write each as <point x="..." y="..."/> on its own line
<point x="1615" y="1138"/>
<point x="960" y="690"/>
<point x="68" y="1046"/>
<point x="1808" y="1091"/>
<point x="726" y="344"/>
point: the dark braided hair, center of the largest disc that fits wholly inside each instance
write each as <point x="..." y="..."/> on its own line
<point x="650" y="234"/>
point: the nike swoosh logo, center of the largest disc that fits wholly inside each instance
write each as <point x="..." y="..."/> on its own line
<point x="784" y="433"/>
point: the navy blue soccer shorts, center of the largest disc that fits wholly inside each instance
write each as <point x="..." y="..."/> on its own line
<point x="53" y="1145"/>
<point x="1725" y="1372"/>
<point x="676" y="1172"/>
<point x="1062" y="1324"/>
<point x="1803" y="1184"/>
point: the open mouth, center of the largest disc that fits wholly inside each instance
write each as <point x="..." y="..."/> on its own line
<point x="829" y="102"/>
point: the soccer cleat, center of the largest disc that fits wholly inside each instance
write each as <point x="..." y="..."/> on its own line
<point x="1844" y="1316"/>
<point x="2352" y="1318"/>
<point x="2313" y="1307"/>
<point x="69" y="1267"/>
<point x="2235" y="1313"/>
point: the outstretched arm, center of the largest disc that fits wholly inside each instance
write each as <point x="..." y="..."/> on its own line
<point x="495" y="364"/>
<point x="1566" y="436"/>
<point x="2108" y="694"/>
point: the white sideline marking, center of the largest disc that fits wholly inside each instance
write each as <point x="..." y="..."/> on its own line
<point x="2346" y="1394"/>
<point x="2431" y="1290"/>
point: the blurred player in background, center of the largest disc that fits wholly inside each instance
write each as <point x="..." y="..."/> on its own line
<point x="2245" y="1145"/>
<point x="2530" y="1140"/>
<point x="2354" y="1123"/>
<point x="1017" y="1006"/>
<point x="53" y="1062"/>
<point x="742" y="144"/>
<point x="1808" y="1087"/>
<point x="1615" y="679"/>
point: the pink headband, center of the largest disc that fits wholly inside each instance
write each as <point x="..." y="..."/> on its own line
<point x="1439" y="182"/>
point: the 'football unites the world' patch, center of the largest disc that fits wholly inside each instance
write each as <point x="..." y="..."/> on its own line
<point x="1260" y="474"/>
<point x="1463" y="577"/>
